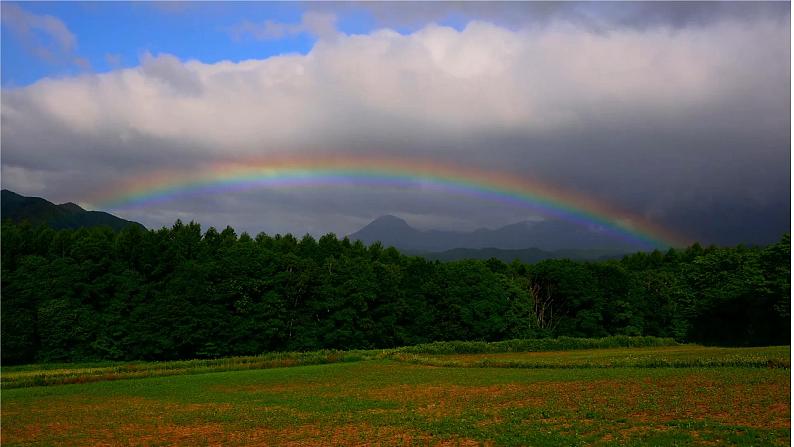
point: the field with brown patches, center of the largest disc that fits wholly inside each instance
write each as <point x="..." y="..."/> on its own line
<point x="383" y="402"/>
<point x="668" y="352"/>
<point x="680" y="356"/>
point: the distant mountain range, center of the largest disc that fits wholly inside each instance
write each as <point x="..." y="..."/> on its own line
<point x="527" y="241"/>
<point x="36" y="210"/>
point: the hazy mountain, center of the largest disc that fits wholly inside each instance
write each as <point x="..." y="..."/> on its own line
<point x="544" y="236"/>
<point x="67" y="215"/>
<point x="393" y="231"/>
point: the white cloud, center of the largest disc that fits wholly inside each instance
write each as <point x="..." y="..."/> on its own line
<point x="46" y="36"/>
<point x="436" y="81"/>
<point x="318" y="24"/>
<point x="592" y="110"/>
<point x="170" y="71"/>
<point x="113" y="60"/>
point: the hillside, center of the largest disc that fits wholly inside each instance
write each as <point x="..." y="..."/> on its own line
<point x="36" y="210"/>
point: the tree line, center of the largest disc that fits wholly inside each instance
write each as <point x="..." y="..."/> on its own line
<point x="178" y="293"/>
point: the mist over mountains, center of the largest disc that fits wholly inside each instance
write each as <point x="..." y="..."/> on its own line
<point x="525" y="241"/>
<point x="549" y="235"/>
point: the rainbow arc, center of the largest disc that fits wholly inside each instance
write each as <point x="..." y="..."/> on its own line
<point x="317" y="171"/>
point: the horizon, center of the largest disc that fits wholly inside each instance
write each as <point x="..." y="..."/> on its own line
<point x="377" y="222"/>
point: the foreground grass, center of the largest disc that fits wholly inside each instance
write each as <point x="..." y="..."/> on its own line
<point x="383" y="402"/>
<point x="561" y="392"/>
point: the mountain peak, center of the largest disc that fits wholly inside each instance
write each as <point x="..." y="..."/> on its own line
<point x="391" y="231"/>
<point x="71" y="207"/>
<point x="390" y="221"/>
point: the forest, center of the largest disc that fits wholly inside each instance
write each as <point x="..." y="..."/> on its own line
<point x="95" y="294"/>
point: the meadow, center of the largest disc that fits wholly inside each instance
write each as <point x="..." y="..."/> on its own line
<point x="436" y="394"/>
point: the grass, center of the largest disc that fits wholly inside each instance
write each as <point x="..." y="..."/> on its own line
<point x="63" y="373"/>
<point x="715" y="396"/>
<point x="536" y="345"/>
<point x="66" y="373"/>
<point x="683" y="356"/>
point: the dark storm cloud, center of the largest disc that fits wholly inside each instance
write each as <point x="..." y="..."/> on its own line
<point x="676" y="112"/>
<point x="592" y="16"/>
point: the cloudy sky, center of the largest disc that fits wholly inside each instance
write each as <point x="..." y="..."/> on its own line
<point x="677" y="112"/>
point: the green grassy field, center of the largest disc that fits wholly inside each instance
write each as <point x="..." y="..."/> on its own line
<point x="668" y="395"/>
<point x="65" y="373"/>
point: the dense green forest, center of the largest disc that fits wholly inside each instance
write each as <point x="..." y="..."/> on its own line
<point x="176" y="293"/>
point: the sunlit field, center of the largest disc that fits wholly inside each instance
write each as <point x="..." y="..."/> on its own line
<point x="703" y="396"/>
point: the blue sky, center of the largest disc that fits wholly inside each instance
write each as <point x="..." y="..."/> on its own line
<point x="109" y="33"/>
<point x="116" y="34"/>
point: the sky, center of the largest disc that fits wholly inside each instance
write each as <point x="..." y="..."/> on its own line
<point x="678" y="113"/>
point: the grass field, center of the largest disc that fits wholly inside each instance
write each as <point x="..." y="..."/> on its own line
<point x="617" y="396"/>
<point x="684" y="356"/>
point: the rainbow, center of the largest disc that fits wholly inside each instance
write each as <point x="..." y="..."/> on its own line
<point x="280" y="172"/>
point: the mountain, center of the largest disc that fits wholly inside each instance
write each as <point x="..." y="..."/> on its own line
<point x="36" y="210"/>
<point x="393" y="231"/>
<point x="549" y="238"/>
